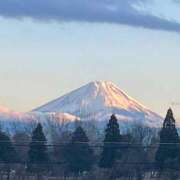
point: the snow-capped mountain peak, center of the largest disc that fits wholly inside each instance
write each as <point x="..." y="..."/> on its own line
<point x="98" y="100"/>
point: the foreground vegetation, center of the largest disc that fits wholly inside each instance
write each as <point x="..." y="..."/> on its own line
<point x="139" y="154"/>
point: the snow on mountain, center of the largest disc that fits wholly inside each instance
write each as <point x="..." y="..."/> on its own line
<point x="4" y="110"/>
<point x="11" y="121"/>
<point x="29" y="117"/>
<point x="98" y="100"/>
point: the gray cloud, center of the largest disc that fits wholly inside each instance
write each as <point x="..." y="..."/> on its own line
<point x="108" y="11"/>
<point x="176" y="1"/>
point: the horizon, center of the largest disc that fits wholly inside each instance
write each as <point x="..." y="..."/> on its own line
<point x="83" y="85"/>
<point x="46" y="53"/>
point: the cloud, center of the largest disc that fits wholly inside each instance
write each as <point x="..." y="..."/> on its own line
<point x="176" y="1"/>
<point x="102" y="11"/>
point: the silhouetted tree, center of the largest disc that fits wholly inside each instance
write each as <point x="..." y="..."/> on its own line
<point x="168" y="150"/>
<point x="111" y="149"/>
<point x="38" y="158"/>
<point x="78" y="154"/>
<point x="8" y="154"/>
<point x="21" y="137"/>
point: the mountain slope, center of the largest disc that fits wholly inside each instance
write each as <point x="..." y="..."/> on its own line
<point x="4" y="109"/>
<point x="98" y="100"/>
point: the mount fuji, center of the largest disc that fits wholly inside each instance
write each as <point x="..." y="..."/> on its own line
<point x="97" y="101"/>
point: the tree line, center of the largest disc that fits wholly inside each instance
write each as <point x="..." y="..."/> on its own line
<point x="118" y="156"/>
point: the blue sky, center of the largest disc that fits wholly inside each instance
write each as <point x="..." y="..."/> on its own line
<point x="46" y="55"/>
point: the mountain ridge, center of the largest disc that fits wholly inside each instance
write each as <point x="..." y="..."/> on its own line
<point x="98" y="100"/>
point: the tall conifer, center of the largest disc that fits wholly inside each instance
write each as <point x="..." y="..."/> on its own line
<point x="8" y="154"/>
<point x="38" y="158"/>
<point x="168" y="150"/>
<point x="111" y="149"/>
<point x="78" y="154"/>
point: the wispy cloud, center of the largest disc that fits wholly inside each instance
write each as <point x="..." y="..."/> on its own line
<point x="176" y="1"/>
<point x="108" y="11"/>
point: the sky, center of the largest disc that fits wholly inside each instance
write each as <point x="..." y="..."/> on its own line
<point x="50" y="47"/>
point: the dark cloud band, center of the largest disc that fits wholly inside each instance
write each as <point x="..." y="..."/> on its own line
<point x="109" y="11"/>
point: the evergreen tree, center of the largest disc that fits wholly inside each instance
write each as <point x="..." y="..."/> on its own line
<point x="111" y="149"/>
<point x="168" y="150"/>
<point x="8" y="154"/>
<point x="78" y="154"/>
<point x="38" y="158"/>
<point x="19" y="138"/>
<point x="7" y="151"/>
